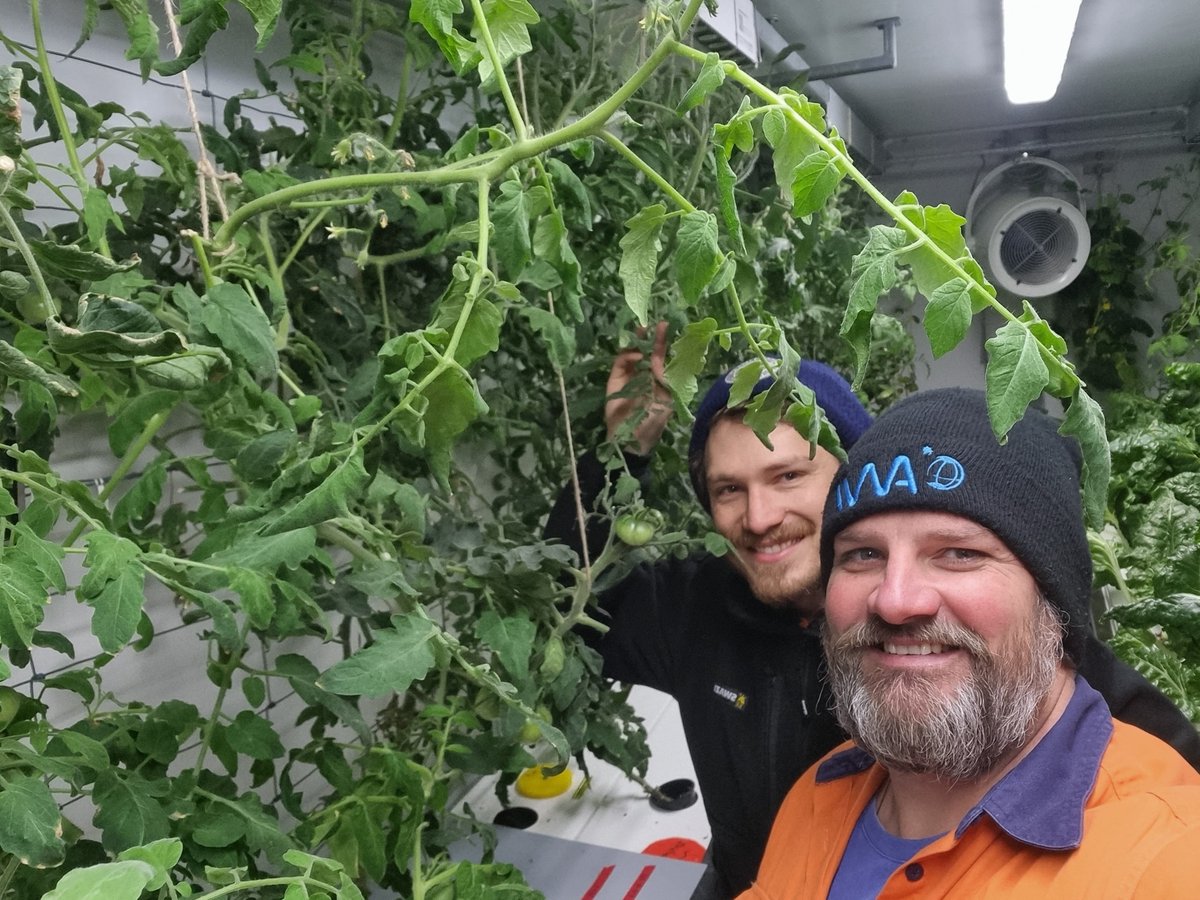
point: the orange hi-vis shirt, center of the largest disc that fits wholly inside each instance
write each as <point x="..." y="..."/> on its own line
<point x="1098" y="810"/>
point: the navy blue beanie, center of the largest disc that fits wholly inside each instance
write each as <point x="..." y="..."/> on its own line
<point x="841" y="407"/>
<point x="936" y="451"/>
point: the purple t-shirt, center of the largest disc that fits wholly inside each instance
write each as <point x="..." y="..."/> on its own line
<point x="872" y="855"/>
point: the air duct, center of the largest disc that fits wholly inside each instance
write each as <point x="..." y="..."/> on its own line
<point x="1026" y="226"/>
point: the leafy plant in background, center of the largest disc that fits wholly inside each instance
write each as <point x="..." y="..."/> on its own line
<point x="1147" y="552"/>
<point x="354" y="340"/>
<point x="1175" y="256"/>
<point x="1101" y="312"/>
<point x="1150" y="551"/>
<point x="1104" y="312"/>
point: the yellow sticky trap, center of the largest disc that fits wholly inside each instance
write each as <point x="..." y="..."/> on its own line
<point x="539" y="785"/>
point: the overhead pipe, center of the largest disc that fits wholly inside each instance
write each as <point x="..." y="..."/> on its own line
<point x="886" y="60"/>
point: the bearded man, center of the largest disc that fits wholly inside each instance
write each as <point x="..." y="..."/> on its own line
<point x="982" y="764"/>
<point x="736" y="639"/>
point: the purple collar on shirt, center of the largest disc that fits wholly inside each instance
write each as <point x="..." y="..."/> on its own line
<point x="1041" y="801"/>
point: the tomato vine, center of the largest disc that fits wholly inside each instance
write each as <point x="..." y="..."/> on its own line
<point x="372" y="332"/>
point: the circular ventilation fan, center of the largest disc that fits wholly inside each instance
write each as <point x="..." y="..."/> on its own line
<point x="1025" y="225"/>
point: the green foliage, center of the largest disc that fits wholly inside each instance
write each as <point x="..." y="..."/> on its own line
<point x="372" y="335"/>
<point x="1150" y="550"/>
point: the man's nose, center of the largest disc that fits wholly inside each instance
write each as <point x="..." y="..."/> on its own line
<point x="763" y="510"/>
<point x="904" y="593"/>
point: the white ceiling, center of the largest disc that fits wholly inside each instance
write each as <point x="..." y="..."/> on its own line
<point x="1132" y="75"/>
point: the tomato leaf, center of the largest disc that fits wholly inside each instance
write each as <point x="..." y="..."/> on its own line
<point x="436" y="16"/>
<point x="29" y="822"/>
<point x="639" y="258"/>
<point x="142" y="32"/>
<point x="128" y="811"/>
<point x="948" y="316"/>
<point x="1085" y="421"/>
<point x="872" y="272"/>
<point x="688" y="353"/>
<point x="254" y="736"/>
<point x="397" y="657"/>
<point x="511" y="638"/>
<point x="124" y="880"/>
<point x="329" y="499"/>
<point x="510" y="232"/>
<point x="711" y="77"/>
<point x="241" y="328"/>
<point x="698" y="257"/>
<point x="1016" y="375"/>
<point x="114" y="586"/>
<point x="559" y="338"/>
<point x="814" y="182"/>
<point x="726" y="182"/>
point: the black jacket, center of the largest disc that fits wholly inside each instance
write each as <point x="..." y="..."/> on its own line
<point x="748" y="679"/>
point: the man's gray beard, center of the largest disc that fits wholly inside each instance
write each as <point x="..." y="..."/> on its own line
<point x="907" y="723"/>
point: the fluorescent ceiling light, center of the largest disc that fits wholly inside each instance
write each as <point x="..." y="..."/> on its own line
<point x="1037" y="35"/>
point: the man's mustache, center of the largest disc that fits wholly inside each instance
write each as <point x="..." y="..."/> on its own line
<point x="874" y="632"/>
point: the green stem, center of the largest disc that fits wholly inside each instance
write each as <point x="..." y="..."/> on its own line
<point x="211" y="725"/>
<point x="153" y="425"/>
<point x="418" y="869"/>
<point x="264" y="237"/>
<point x="485" y="33"/>
<point x="920" y="238"/>
<point x="402" y="256"/>
<point x="10" y="869"/>
<point x="488" y="166"/>
<point x="26" y="252"/>
<point x="201" y="256"/>
<point x="339" y="538"/>
<point x="302" y="239"/>
<point x="56" y="107"/>
<point x="389" y="137"/>
<point x="445" y="358"/>
<point x="646" y="169"/>
<point x="37" y="486"/>
<point x="291" y="383"/>
<point x="385" y="318"/>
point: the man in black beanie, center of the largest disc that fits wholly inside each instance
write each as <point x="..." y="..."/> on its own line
<point x="983" y="763"/>
<point x="735" y="639"/>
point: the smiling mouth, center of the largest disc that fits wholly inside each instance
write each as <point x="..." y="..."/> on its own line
<point x="774" y="549"/>
<point x="914" y="649"/>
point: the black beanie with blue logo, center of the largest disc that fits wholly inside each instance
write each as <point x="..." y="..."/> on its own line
<point x="936" y="451"/>
<point x="841" y="407"/>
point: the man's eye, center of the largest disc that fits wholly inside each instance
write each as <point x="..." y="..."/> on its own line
<point x="857" y="556"/>
<point x="963" y="554"/>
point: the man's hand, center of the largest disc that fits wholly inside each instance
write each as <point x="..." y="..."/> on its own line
<point x="644" y="403"/>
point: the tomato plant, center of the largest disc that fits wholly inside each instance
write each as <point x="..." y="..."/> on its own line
<point x="388" y="332"/>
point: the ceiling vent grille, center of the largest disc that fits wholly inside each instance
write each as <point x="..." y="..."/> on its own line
<point x="1026" y="226"/>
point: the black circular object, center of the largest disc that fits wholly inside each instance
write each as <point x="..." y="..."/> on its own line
<point x="672" y="796"/>
<point x="515" y="817"/>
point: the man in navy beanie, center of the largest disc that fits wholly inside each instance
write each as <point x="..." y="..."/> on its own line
<point x="736" y="639"/>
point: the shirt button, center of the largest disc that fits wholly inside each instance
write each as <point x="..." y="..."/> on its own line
<point x="914" y="871"/>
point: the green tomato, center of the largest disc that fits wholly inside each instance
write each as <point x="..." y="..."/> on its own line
<point x="633" y="530"/>
<point x="531" y="731"/>
<point x="553" y="658"/>
<point x="33" y="308"/>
